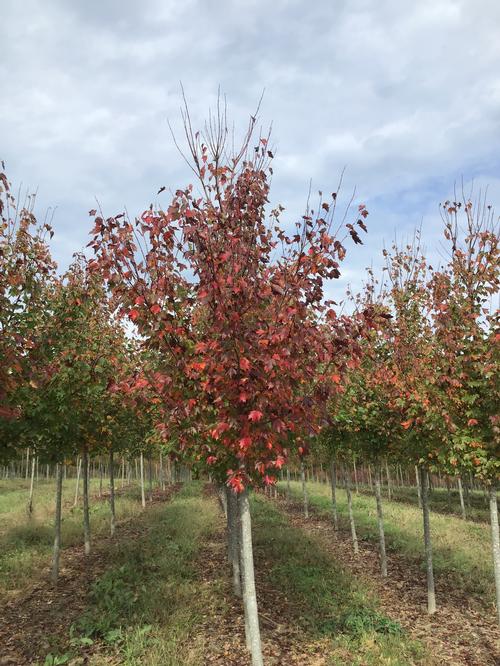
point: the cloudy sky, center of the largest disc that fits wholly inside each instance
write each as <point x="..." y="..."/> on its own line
<point x="404" y="94"/>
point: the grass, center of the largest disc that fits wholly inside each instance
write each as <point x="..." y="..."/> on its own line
<point x="476" y="509"/>
<point x="147" y="607"/>
<point x="26" y="542"/>
<point x="461" y="548"/>
<point x="324" y="600"/>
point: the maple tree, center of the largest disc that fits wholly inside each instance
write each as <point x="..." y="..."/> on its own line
<point x="237" y="307"/>
<point x="26" y="268"/>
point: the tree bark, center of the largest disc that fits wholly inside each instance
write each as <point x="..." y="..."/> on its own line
<point x="288" y="483"/>
<point x="389" y="491"/>
<point x="143" y="496"/>
<point x="150" y="478"/>
<point x="100" y="479"/>
<point x="57" y="524"/>
<point x="461" y="495"/>
<point x="78" y="472"/>
<point x="233" y="530"/>
<point x="32" y="485"/>
<point x="86" y="513"/>
<point x="249" y="592"/>
<point x="351" y="512"/>
<point x="380" y="520"/>
<point x="370" y="482"/>
<point x="356" y="486"/>
<point x="162" y="477"/>
<point x="431" y="592"/>
<point x="112" y="492"/>
<point x="304" y="490"/>
<point x="419" y="491"/>
<point x="495" y="543"/>
<point x="333" y="481"/>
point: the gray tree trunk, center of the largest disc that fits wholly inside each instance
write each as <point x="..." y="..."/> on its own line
<point x="57" y="524"/>
<point x="389" y="490"/>
<point x="351" y="512"/>
<point x="249" y="592"/>
<point x="356" y="486"/>
<point x="333" y="481"/>
<point x="495" y="544"/>
<point x="162" y="476"/>
<point x="143" y="496"/>
<point x="100" y="479"/>
<point x="370" y="482"/>
<point x="233" y="531"/>
<point x="380" y="520"/>
<point x="112" y="492"/>
<point x="78" y="472"/>
<point x="32" y="484"/>
<point x="461" y="495"/>
<point x="304" y="490"/>
<point x="288" y="483"/>
<point x="150" y="478"/>
<point x="431" y="592"/>
<point x="419" y="491"/>
<point x="86" y="513"/>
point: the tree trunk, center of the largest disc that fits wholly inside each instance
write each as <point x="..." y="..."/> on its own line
<point x="419" y="492"/>
<point x="431" y="592"/>
<point x="389" y="491"/>
<point x="333" y="481"/>
<point x="57" y="524"/>
<point x="304" y="490"/>
<point x="150" y="478"/>
<point x="370" y="482"/>
<point x="249" y="592"/>
<point x="100" y="479"/>
<point x="355" y="476"/>
<point x="78" y="471"/>
<point x="288" y="483"/>
<point x="143" y="496"/>
<point x="32" y="484"/>
<point x="495" y="543"/>
<point x="162" y="477"/>
<point x="86" y="513"/>
<point x="233" y="533"/>
<point x="112" y="492"/>
<point x="123" y="473"/>
<point x="351" y="512"/>
<point x="380" y="520"/>
<point x="461" y="495"/>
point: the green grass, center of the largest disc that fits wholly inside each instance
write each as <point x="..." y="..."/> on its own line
<point x="147" y="607"/>
<point x="477" y="509"/>
<point x="26" y="542"/>
<point x="461" y="548"/>
<point x="324" y="599"/>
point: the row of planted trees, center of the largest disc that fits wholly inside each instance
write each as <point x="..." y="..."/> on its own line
<point x="426" y="391"/>
<point x="232" y="357"/>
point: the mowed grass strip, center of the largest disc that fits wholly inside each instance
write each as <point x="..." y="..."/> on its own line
<point x="330" y="606"/>
<point x="26" y="541"/>
<point x="148" y="606"/>
<point x="462" y="549"/>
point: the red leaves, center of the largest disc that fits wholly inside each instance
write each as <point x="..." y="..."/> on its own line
<point x="155" y="309"/>
<point x="133" y="314"/>
<point x="472" y="422"/>
<point x="245" y="442"/>
<point x="407" y="424"/>
<point x="244" y="364"/>
<point x="255" y="415"/>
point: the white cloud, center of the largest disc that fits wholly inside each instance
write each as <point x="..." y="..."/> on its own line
<point x="406" y="94"/>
